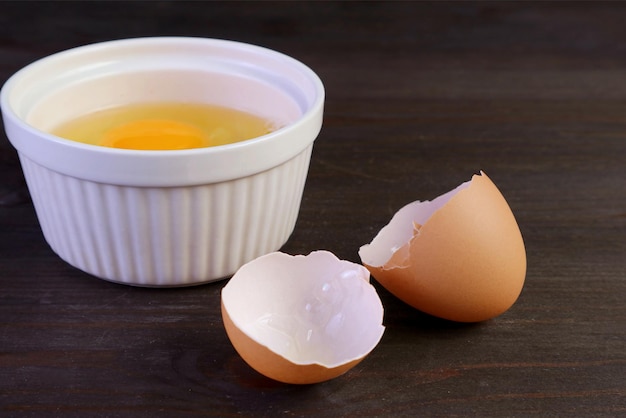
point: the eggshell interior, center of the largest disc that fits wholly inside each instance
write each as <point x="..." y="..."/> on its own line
<point x="460" y="256"/>
<point x="302" y="319"/>
<point x="404" y="225"/>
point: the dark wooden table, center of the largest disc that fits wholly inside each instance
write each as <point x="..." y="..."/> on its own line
<point x="419" y="97"/>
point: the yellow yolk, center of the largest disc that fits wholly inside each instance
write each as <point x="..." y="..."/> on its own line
<point x="154" y="134"/>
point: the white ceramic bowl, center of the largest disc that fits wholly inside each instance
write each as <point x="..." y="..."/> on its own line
<point x="164" y="218"/>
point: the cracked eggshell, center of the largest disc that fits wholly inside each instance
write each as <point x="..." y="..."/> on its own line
<point x="302" y="319"/>
<point x="460" y="256"/>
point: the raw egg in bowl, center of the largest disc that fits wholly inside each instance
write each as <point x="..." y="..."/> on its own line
<point x="152" y="197"/>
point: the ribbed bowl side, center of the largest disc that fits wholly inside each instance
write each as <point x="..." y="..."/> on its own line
<point x="174" y="236"/>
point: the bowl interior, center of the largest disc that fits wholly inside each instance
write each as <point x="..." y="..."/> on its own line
<point x="55" y="92"/>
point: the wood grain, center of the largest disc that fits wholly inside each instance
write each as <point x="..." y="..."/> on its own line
<point x="419" y="97"/>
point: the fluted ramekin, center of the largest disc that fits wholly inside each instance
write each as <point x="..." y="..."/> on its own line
<point x="164" y="218"/>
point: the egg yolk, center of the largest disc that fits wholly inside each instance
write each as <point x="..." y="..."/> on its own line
<point x="154" y="134"/>
<point x="164" y="126"/>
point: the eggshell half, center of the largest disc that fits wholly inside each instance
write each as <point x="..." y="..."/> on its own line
<point x="302" y="319"/>
<point x="460" y="256"/>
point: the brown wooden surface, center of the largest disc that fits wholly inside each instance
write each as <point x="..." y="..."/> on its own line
<point x="419" y="97"/>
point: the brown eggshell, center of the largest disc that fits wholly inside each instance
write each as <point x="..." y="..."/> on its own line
<point x="302" y="319"/>
<point x="275" y="366"/>
<point x="464" y="260"/>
